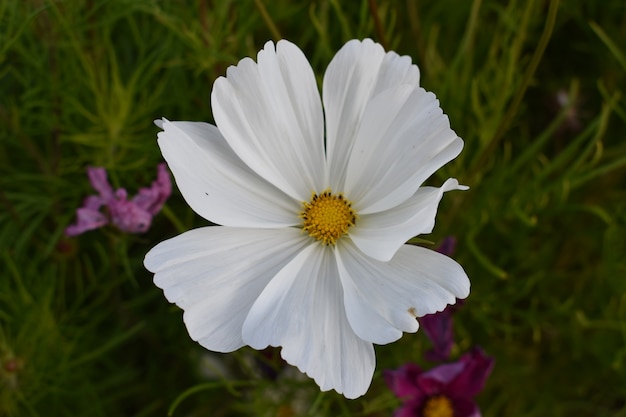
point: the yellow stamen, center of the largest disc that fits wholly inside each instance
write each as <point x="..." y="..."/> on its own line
<point x="438" y="406"/>
<point x="327" y="217"/>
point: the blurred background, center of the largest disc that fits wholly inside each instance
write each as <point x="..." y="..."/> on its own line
<point x="535" y="88"/>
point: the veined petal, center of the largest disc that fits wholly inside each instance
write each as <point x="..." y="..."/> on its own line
<point x="270" y="113"/>
<point x="403" y="138"/>
<point x="217" y="184"/>
<point x="384" y="298"/>
<point x="302" y="310"/>
<point x="358" y="72"/>
<point x="216" y="273"/>
<point x="380" y="235"/>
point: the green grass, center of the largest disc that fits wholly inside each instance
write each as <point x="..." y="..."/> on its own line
<point x="541" y="232"/>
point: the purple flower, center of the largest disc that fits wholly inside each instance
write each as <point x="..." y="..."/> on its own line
<point x="132" y="216"/>
<point x="444" y="391"/>
<point x="447" y="246"/>
<point x="438" y="328"/>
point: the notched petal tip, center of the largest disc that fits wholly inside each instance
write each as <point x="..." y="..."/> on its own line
<point x="159" y="122"/>
<point x="417" y="281"/>
<point x="380" y="235"/>
<point x="270" y="114"/>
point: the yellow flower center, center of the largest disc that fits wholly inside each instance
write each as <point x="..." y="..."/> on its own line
<point x="327" y="216"/>
<point x="438" y="406"/>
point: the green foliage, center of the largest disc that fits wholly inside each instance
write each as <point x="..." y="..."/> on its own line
<point x="541" y="232"/>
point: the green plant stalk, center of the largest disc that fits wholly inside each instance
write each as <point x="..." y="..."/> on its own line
<point x="268" y="20"/>
<point x="530" y="71"/>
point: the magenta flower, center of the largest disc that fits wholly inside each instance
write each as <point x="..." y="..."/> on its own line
<point x="132" y="216"/>
<point x="444" y="391"/>
<point x="438" y="328"/>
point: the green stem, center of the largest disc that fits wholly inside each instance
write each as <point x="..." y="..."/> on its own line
<point x="528" y="75"/>
<point x="268" y="20"/>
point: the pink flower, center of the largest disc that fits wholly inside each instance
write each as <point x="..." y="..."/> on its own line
<point x="444" y="391"/>
<point x="132" y="216"/>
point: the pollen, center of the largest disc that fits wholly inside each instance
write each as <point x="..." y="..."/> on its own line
<point x="438" y="406"/>
<point x="327" y="217"/>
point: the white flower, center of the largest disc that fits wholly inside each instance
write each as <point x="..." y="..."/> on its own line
<point x="315" y="204"/>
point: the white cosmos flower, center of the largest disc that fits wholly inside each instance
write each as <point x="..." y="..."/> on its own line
<point x="316" y="199"/>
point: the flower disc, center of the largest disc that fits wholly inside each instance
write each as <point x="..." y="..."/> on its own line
<point x="327" y="217"/>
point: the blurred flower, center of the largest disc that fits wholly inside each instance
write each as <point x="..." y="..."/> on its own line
<point x="572" y="121"/>
<point x="444" y="391"/>
<point x="10" y="367"/>
<point x="438" y="328"/>
<point x="447" y="246"/>
<point x="314" y="213"/>
<point x="132" y="216"/>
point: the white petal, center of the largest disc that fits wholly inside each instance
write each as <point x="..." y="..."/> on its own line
<point x="380" y="235"/>
<point x="302" y="310"/>
<point x="216" y="273"/>
<point x="217" y="184"/>
<point x="358" y="72"/>
<point x="383" y="298"/>
<point x="403" y="139"/>
<point x="271" y="115"/>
